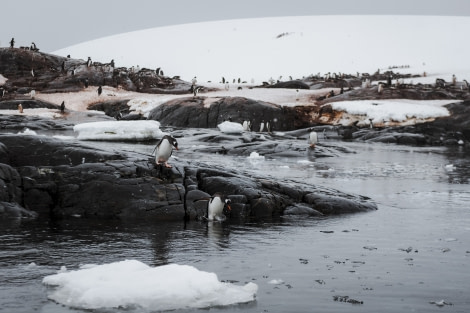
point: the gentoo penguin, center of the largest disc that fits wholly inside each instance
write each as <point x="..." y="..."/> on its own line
<point x="100" y="90"/>
<point x="312" y="139"/>
<point x="245" y="126"/>
<point x="216" y="206"/>
<point x="88" y="62"/>
<point x="261" y="126"/>
<point x="62" y="107"/>
<point x="196" y="89"/>
<point x="164" y="149"/>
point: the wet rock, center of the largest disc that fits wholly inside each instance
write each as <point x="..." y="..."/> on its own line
<point x="67" y="178"/>
<point x="13" y="210"/>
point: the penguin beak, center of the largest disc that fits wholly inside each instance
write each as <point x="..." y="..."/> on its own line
<point x="229" y="207"/>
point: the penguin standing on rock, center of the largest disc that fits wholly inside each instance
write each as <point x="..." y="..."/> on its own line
<point x="312" y="139"/>
<point x="164" y="149"/>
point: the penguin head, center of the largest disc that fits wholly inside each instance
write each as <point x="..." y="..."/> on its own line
<point x="227" y="204"/>
<point x="172" y="141"/>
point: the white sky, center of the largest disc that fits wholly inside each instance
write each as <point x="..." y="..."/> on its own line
<point x="55" y="24"/>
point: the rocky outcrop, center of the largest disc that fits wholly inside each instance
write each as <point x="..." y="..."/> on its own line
<point x="449" y="130"/>
<point x="27" y="70"/>
<point x="47" y="176"/>
<point x="204" y="112"/>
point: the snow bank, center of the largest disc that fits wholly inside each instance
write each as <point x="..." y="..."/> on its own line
<point x="394" y="110"/>
<point x="230" y="127"/>
<point x="119" y="130"/>
<point x="294" y="46"/>
<point x="131" y="283"/>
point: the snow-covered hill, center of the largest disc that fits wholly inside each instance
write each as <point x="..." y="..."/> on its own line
<point x="258" y="49"/>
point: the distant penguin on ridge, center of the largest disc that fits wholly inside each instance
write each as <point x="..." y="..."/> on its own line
<point x="88" y="63"/>
<point x="164" y="149"/>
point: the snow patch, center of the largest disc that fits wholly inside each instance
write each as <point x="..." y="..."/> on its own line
<point x="255" y="156"/>
<point x="382" y="111"/>
<point x="230" y="127"/>
<point x="119" y="130"/>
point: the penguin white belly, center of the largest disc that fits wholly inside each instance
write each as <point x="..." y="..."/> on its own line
<point x="215" y="208"/>
<point x="164" y="151"/>
<point x="313" y="138"/>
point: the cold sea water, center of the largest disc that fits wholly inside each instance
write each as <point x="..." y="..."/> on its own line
<point x="411" y="255"/>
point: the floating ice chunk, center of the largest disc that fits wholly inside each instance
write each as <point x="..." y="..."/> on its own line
<point x="255" y="156"/>
<point x="28" y="132"/>
<point x="230" y="127"/>
<point x="450" y="167"/>
<point x="132" y="283"/>
<point x="276" y="282"/>
<point x="119" y="130"/>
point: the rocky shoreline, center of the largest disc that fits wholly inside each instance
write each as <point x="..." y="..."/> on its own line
<point x="46" y="176"/>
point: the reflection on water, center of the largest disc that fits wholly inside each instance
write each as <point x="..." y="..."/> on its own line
<point x="414" y="250"/>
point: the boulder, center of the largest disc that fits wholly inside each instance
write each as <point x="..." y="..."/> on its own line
<point x="202" y="112"/>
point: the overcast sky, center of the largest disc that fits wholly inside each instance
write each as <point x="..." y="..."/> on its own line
<point x="56" y="24"/>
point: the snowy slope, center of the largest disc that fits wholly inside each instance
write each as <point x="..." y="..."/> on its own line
<point x="262" y="48"/>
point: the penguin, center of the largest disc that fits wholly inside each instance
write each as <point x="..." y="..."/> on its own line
<point x="100" y="90"/>
<point x="62" y="107"/>
<point x="88" y="62"/>
<point x="164" y="149"/>
<point x="261" y="126"/>
<point x="245" y="126"/>
<point x="20" y="108"/>
<point x="32" y="72"/>
<point x="196" y="90"/>
<point x="216" y="206"/>
<point x="268" y="127"/>
<point x="312" y="139"/>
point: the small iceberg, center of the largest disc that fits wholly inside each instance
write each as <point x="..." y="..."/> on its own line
<point x="133" y="284"/>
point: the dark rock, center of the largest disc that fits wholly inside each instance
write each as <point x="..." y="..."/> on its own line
<point x="13" y="210"/>
<point x="193" y="112"/>
<point x="59" y="178"/>
<point x="54" y="73"/>
<point x="292" y="84"/>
